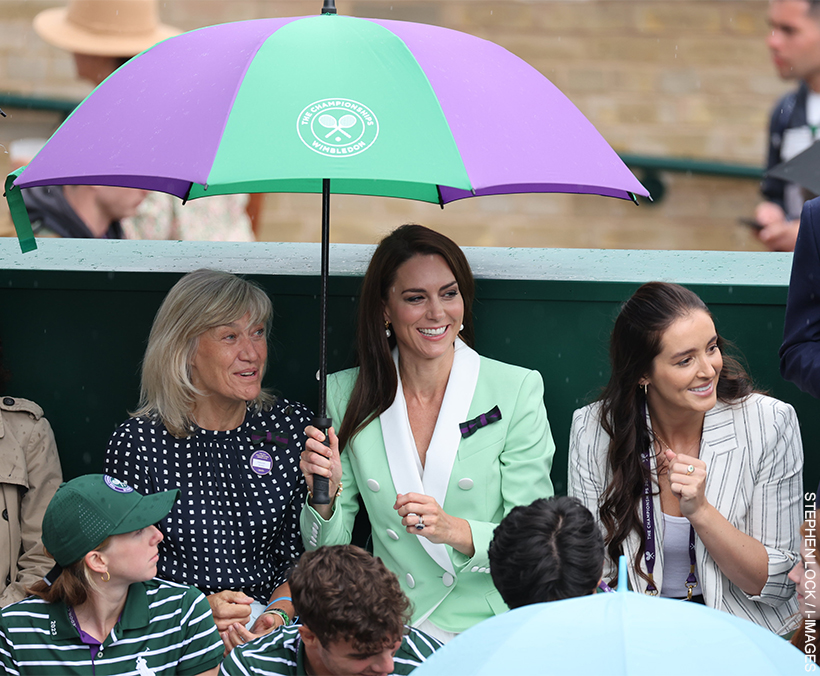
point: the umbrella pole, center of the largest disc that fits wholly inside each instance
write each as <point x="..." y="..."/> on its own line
<point x="320" y="484"/>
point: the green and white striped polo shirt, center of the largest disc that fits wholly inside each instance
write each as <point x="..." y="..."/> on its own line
<point x="165" y="629"/>
<point x="283" y="654"/>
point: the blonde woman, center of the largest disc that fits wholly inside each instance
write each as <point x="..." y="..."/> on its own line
<point x="205" y="426"/>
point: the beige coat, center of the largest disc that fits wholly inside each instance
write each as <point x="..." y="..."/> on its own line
<point x="29" y="476"/>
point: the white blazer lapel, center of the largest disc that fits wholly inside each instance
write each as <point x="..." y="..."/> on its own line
<point x="455" y="408"/>
<point x="402" y="454"/>
<point x="398" y="443"/>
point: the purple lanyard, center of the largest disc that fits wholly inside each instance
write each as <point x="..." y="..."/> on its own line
<point x="648" y="513"/>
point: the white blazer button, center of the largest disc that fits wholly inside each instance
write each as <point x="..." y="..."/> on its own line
<point x="447" y="579"/>
<point x="410" y="581"/>
<point x="465" y="484"/>
<point x="373" y="485"/>
<point x="392" y="534"/>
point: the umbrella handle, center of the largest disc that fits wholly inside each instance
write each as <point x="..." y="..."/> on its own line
<point x="623" y="580"/>
<point x="321" y="485"/>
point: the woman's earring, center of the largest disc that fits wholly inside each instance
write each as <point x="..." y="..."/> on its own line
<point x="461" y="329"/>
<point x="646" y="389"/>
<point x="106" y="577"/>
<point x="387" y="331"/>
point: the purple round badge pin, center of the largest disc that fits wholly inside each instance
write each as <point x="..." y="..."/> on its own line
<point x="261" y="462"/>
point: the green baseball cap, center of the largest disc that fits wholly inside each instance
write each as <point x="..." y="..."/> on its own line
<point x="88" y="509"/>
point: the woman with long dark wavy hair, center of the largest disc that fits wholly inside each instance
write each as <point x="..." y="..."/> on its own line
<point x="693" y="475"/>
<point x="439" y="442"/>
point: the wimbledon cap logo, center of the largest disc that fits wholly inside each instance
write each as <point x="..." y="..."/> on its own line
<point x="337" y="127"/>
<point x="117" y="485"/>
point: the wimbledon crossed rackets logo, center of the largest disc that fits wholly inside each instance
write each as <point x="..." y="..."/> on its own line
<point x="337" y="127"/>
<point x="117" y="485"/>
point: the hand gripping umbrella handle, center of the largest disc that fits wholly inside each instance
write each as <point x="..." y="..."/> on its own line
<point x="321" y="485"/>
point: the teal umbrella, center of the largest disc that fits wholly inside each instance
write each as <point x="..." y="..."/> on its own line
<point x="613" y="634"/>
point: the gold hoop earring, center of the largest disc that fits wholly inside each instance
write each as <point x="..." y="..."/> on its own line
<point x="106" y="577"/>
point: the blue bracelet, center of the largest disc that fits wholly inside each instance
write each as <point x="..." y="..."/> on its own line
<point x="281" y="598"/>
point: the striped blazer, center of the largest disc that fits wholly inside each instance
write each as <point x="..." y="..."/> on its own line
<point x="754" y="463"/>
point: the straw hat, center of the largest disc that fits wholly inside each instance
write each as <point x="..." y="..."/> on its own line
<point x="104" y="27"/>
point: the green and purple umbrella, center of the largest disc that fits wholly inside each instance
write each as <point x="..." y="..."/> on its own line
<point x="326" y="104"/>
<point x="387" y="108"/>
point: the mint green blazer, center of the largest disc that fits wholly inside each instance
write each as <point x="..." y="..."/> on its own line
<point x="502" y="465"/>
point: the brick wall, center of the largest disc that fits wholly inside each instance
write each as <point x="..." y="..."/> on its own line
<point x="678" y="78"/>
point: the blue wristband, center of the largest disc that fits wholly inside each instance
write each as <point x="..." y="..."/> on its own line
<point x="280" y="598"/>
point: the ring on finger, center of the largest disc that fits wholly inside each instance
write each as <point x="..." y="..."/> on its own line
<point x="420" y="524"/>
<point x="690" y="469"/>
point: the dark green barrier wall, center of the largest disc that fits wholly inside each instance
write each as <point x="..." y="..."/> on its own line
<point x="76" y="315"/>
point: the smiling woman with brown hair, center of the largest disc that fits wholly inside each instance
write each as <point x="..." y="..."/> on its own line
<point x="693" y="475"/>
<point x="439" y="442"/>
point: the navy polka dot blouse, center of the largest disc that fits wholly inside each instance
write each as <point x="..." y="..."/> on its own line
<point x="236" y="523"/>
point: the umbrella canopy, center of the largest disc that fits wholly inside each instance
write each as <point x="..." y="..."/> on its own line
<point x="620" y="633"/>
<point x="803" y="169"/>
<point x="378" y="107"/>
<point x="326" y="104"/>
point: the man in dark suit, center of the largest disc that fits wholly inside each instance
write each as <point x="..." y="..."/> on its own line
<point x="794" y="42"/>
<point x="800" y="352"/>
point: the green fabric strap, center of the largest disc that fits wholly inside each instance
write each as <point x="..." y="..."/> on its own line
<point x="19" y="215"/>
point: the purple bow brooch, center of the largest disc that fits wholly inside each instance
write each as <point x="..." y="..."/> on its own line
<point x="472" y="426"/>
<point x="266" y="437"/>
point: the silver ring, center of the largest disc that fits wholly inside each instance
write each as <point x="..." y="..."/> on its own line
<point x="690" y="469"/>
<point x="420" y="524"/>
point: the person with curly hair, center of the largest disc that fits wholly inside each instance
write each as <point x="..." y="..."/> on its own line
<point x="354" y="619"/>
